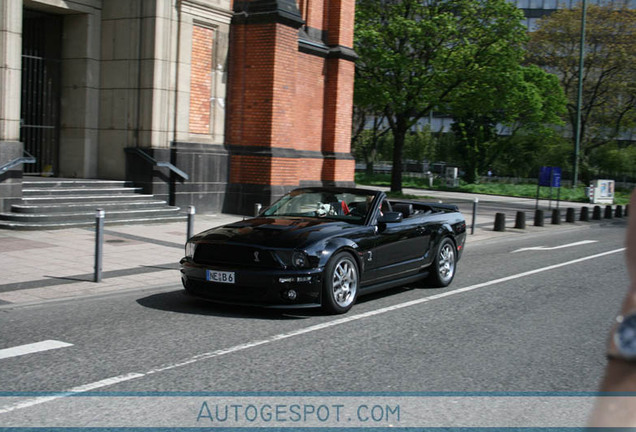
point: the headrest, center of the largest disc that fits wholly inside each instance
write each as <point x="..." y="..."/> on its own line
<point x="405" y="208"/>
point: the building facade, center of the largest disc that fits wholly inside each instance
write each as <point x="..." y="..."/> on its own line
<point x="536" y="9"/>
<point x="200" y="102"/>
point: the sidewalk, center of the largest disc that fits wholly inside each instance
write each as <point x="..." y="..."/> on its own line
<point x="36" y="266"/>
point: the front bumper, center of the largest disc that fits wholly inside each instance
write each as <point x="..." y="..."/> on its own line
<point x="255" y="287"/>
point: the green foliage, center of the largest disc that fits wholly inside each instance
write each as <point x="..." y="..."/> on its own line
<point x="462" y="56"/>
<point x="609" y="82"/>
<point x="523" y="155"/>
<point x="615" y="160"/>
<point x="420" y="145"/>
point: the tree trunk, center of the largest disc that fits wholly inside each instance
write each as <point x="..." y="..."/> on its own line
<point x="369" y="168"/>
<point x="399" y="136"/>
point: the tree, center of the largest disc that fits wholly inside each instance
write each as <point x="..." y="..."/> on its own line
<point x="609" y="81"/>
<point x="416" y="55"/>
<point x="520" y="98"/>
<point x="368" y="129"/>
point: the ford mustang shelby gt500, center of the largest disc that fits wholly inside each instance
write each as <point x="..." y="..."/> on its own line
<point x="325" y="247"/>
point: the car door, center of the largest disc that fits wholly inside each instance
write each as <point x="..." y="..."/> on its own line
<point x="399" y="249"/>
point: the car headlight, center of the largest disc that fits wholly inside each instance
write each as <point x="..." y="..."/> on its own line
<point x="300" y="259"/>
<point x="295" y="259"/>
<point x="190" y="248"/>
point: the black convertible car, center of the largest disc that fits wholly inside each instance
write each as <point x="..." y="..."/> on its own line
<point x="325" y="247"/>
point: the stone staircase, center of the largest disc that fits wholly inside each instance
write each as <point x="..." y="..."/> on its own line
<point x="53" y="203"/>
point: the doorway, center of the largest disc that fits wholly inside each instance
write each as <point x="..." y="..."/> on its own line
<point x="41" y="90"/>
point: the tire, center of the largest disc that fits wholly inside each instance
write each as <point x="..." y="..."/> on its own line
<point x="341" y="281"/>
<point x="444" y="265"/>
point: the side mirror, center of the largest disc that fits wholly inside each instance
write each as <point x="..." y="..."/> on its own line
<point x="390" y="217"/>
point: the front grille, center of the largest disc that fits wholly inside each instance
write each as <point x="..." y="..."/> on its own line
<point x="223" y="292"/>
<point x="234" y="255"/>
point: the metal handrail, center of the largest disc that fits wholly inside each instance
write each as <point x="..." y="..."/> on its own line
<point x="155" y="162"/>
<point x="29" y="158"/>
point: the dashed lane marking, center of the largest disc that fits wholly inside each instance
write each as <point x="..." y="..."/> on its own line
<point x="32" y="348"/>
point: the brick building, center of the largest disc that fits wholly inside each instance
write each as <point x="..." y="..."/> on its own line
<point x="237" y="103"/>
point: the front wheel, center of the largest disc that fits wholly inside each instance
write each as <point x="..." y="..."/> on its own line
<point x="340" y="283"/>
<point x="443" y="267"/>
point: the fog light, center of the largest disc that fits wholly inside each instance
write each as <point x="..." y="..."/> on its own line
<point x="291" y="294"/>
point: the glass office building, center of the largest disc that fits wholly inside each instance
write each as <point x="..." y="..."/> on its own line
<point x="535" y="9"/>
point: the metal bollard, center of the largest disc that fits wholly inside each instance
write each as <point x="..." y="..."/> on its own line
<point x="500" y="222"/>
<point x="538" y="218"/>
<point x="570" y="215"/>
<point x="99" y="243"/>
<point x="556" y="217"/>
<point x="608" y="212"/>
<point x="585" y="214"/>
<point x="257" y="208"/>
<point x="520" y="220"/>
<point x="472" y="226"/>
<point x="191" y="212"/>
<point x="596" y="213"/>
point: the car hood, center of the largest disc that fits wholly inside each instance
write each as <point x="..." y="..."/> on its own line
<point x="282" y="232"/>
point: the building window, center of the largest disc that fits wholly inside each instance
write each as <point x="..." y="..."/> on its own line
<point x="550" y="4"/>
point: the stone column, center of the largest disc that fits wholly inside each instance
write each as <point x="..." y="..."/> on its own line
<point x="80" y="95"/>
<point x="339" y="165"/>
<point x="10" y="81"/>
<point x="262" y="94"/>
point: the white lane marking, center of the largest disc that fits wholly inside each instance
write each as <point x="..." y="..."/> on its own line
<point x="242" y="347"/>
<point x="542" y="248"/>
<point x="80" y="389"/>
<point x="32" y="348"/>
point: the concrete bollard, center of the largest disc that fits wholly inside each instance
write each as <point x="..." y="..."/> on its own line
<point x="570" y="216"/>
<point x="596" y="214"/>
<point x="556" y="217"/>
<point x="538" y="218"/>
<point x="520" y="220"/>
<point x="585" y="214"/>
<point x="608" y="212"/>
<point x="500" y="222"/>
<point x="618" y="212"/>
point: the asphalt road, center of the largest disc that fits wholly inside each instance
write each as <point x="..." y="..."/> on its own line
<point x="526" y="313"/>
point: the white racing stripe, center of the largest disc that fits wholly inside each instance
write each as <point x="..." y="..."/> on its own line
<point x="32" y="348"/>
<point x="293" y="333"/>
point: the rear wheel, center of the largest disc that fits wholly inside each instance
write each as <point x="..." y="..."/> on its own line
<point x="340" y="283"/>
<point x="444" y="264"/>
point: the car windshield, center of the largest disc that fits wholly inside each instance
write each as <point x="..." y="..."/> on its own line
<point x="347" y="205"/>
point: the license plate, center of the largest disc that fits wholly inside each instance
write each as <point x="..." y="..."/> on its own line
<point x="220" y="276"/>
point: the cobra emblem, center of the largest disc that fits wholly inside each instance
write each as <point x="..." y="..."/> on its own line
<point x="256" y="258"/>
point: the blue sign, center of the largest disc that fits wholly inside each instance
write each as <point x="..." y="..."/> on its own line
<point x="544" y="176"/>
<point x="550" y="176"/>
<point x="556" y="177"/>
